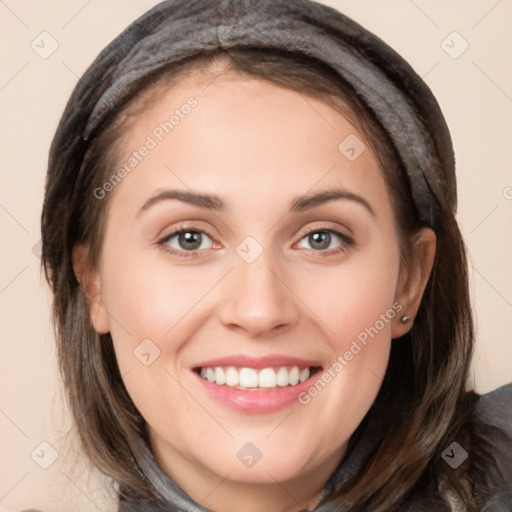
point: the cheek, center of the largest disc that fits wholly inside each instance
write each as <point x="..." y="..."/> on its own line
<point x="356" y="307"/>
<point x="146" y="305"/>
<point x="144" y="301"/>
<point x="352" y="298"/>
<point x="154" y="307"/>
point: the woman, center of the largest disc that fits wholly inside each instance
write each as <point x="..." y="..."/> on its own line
<point x="310" y="349"/>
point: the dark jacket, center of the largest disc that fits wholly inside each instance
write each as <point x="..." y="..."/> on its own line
<point x="494" y="408"/>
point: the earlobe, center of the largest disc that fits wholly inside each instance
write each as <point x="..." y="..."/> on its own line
<point x="90" y="284"/>
<point x="413" y="281"/>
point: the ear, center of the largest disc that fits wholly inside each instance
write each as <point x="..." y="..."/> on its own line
<point x="413" y="280"/>
<point x="89" y="280"/>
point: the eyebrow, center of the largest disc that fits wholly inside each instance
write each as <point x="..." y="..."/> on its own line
<point x="216" y="203"/>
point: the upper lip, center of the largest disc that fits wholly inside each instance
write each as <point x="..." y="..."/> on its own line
<point x="246" y="361"/>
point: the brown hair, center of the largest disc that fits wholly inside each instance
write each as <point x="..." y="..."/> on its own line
<point x="422" y="401"/>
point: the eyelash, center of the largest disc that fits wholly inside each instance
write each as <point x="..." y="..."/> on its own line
<point x="346" y="242"/>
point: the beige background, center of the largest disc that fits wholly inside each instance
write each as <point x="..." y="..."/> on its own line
<point x="474" y="90"/>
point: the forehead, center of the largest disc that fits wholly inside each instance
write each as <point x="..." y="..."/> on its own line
<point x="244" y="136"/>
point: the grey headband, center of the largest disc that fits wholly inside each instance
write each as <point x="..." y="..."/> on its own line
<point x="397" y="96"/>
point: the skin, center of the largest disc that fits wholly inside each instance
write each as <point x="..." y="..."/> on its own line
<point x="257" y="146"/>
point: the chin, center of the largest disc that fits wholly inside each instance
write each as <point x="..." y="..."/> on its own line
<point x="261" y="473"/>
<point x="245" y="463"/>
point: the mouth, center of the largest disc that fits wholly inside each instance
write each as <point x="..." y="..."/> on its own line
<point x="256" y="384"/>
<point x="257" y="379"/>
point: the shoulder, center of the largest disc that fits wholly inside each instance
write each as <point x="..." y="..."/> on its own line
<point x="494" y="409"/>
<point x="490" y="422"/>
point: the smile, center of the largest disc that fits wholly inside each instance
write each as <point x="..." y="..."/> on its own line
<point x="256" y="379"/>
<point x="256" y="384"/>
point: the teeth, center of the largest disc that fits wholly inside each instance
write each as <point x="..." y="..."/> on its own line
<point x="283" y="378"/>
<point x="250" y="378"/>
<point x="220" y="376"/>
<point x="268" y="378"/>
<point x="304" y="375"/>
<point x="232" y="378"/>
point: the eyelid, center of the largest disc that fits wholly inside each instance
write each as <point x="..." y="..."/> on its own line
<point x="346" y="240"/>
<point x="183" y="228"/>
<point x="325" y="226"/>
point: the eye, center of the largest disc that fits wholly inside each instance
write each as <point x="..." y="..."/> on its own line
<point x="321" y="239"/>
<point x="186" y="242"/>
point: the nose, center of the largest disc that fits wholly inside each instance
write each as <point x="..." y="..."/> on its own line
<point x="258" y="300"/>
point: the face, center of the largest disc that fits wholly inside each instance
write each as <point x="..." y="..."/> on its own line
<point x="290" y="269"/>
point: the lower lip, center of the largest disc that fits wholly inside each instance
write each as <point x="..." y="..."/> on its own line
<point x="257" y="401"/>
